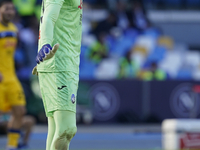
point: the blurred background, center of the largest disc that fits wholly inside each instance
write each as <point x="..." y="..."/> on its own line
<point x="140" y="65"/>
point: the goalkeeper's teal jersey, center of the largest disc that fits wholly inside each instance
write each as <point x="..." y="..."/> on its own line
<point x="65" y="28"/>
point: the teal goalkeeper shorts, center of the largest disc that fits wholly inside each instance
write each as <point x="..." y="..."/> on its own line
<point x="59" y="91"/>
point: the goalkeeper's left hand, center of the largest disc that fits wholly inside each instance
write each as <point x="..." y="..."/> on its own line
<point x="45" y="53"/>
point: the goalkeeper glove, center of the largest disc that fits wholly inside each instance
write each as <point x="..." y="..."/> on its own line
<point x="45" y="53"/>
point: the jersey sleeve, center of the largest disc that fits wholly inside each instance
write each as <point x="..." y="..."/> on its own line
<point x="51" y="12"/>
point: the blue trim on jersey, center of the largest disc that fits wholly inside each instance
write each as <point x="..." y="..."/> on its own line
<point x="8" y="34"/>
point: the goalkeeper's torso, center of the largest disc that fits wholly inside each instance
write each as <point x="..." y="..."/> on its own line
<point x="67" y="32"/>
<point x="8" y="42"/>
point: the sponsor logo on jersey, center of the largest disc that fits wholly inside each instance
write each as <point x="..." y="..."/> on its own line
<point x="60" y="88"/>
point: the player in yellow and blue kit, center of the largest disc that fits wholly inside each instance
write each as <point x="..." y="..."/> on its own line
<point x="61" y="22"/>
<point x="11" y="92"/>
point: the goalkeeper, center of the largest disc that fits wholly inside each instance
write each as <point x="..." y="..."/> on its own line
<point x="61" y="22"/>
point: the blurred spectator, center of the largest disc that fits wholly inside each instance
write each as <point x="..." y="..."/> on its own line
<point x="106" y="25"/>
<point x="122" y="18"/>
<point x="99" y="49"/>
<point x="166" y="41"/>
<point x="137" y="16"/>
<point x="26" y="9"/>
<point x="152" y="73"/>
<point x="128" y="67"/>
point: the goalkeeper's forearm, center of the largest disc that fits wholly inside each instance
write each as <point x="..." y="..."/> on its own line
<point x="51" y="13"/>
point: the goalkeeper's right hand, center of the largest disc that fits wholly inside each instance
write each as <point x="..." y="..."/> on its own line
<point x="45" y="53"/>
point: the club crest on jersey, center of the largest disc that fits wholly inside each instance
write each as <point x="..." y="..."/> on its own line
<point x="81" y="4"/>
<point x="73" y="99"/>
